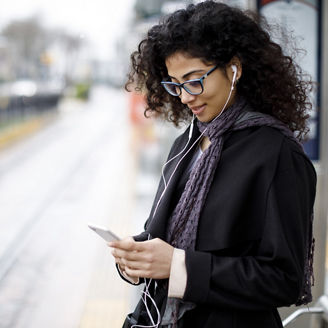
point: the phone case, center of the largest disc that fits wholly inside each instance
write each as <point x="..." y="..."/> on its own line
<point x="104" y="233"/>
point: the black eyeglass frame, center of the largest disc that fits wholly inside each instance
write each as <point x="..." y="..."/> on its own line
<point x="182" y="85"/>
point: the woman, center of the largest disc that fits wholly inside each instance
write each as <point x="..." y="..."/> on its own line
<point x="229" y="237"/>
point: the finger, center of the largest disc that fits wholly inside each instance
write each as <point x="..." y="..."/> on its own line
<point x="138" y="265"/>
<point x="136" y="273"/>
<point x="127" y="244"/>
<point x="117" y="258"/>
<point x="118" y="253"/>
<point x="115" y="243"/>
<point x="121" y="267"/>
<point x="130" y="255"/>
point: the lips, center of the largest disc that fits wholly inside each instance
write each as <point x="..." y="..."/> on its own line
<point x="198" y="109"/>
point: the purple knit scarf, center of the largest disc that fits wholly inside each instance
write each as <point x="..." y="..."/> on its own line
<point x="182" y="229"/>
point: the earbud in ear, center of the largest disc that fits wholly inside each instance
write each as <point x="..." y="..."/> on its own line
<point x="234" y="69"/>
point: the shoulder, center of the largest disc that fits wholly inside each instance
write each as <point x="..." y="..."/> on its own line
<point x="292" y="160"/>
<point x="266" y="147"/>
<point x="263" y="139"/>
<point x="288" y="156"/>
<point x="257" y="136"/>
<point x="254" y="146"/>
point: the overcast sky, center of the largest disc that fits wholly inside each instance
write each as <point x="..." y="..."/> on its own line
<point x="101" y="21"/>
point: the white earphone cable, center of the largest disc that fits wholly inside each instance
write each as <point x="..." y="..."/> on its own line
<point x="146" y="293"/>
<point x="234" y="68"/>
<point x="169" y="161"/>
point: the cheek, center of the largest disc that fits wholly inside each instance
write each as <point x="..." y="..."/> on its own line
<point x="215" y="96"/>
<point x="219" y="92"/>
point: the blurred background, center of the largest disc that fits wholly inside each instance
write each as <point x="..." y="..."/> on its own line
<point x="75" y="149"/>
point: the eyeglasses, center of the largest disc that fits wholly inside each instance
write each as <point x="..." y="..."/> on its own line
<point x="193" y="87"/>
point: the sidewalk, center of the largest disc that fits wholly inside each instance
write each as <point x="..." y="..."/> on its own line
<point x="85" y="167"/>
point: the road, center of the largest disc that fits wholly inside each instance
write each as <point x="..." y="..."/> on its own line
<point x="54" y="271"/>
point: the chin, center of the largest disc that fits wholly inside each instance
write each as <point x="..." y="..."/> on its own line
<point x="204" y="119"/>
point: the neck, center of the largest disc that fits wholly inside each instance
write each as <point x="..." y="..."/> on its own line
<point x="205" y="143"/>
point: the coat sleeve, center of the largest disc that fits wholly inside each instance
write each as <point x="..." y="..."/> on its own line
<point x="273" y="275"/>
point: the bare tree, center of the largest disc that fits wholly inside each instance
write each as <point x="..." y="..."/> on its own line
<point x="71" y="45"/>
<point x="27" y="39"/>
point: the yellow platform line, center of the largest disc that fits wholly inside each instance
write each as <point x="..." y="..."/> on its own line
<point x="21" y="130"/>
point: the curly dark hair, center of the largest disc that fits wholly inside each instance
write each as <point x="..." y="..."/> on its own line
<point x="271" y="81"/>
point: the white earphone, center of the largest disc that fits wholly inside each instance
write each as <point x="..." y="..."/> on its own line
<point x="234" y="69"/>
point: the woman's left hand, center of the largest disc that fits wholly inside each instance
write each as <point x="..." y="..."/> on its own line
<point x="147" y="259"/>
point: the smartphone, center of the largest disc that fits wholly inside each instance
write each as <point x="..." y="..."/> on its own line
<point x="103" y="232"/>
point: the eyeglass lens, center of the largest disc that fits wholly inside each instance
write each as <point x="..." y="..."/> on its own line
<point x="192" y="87"/>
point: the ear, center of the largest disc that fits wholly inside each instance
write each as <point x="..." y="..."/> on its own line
<point x="235" y="62"/>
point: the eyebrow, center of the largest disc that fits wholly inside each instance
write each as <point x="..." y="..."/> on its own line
<point x="189" y="73"/>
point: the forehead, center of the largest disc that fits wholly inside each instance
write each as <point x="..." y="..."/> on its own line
<point x="179" y="64"/>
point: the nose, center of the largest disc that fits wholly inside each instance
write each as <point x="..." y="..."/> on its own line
<point x="186" y="97"/>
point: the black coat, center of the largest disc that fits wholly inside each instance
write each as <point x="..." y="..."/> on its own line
<point x="252" y="233"/>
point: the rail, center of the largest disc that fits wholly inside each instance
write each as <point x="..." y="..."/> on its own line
<point x="321" y="306"/>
